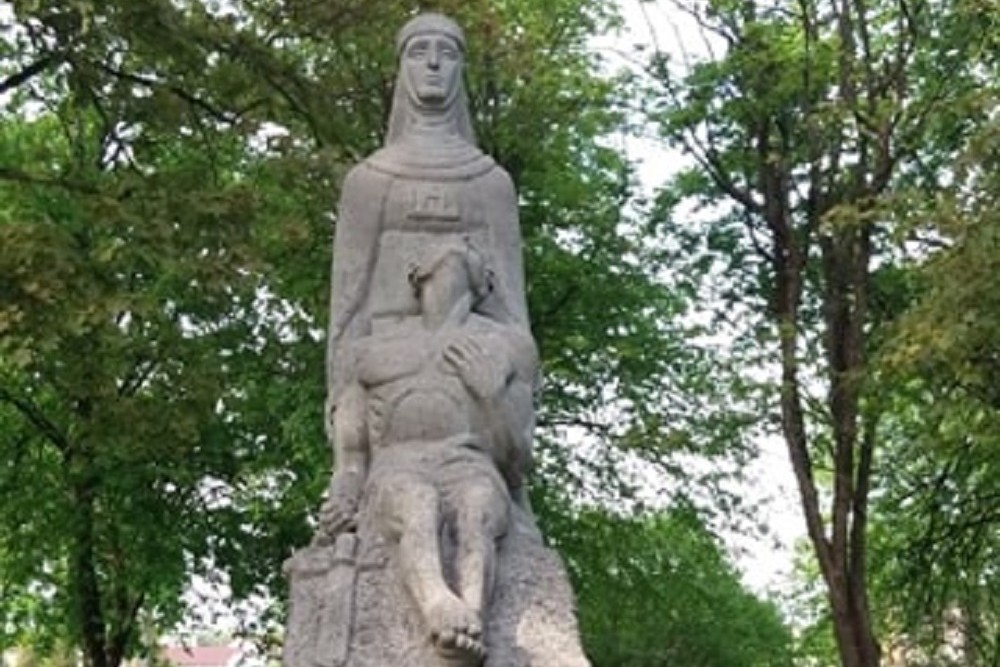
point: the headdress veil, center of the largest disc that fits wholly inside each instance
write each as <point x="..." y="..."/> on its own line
<point x="402" y="106"/>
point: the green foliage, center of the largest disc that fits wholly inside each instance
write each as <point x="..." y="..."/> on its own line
<point x="806" y="603"/>
<point x="953" y="328"/>
<point x="129" y="324"/>
<point x="167" y="172"/>
<point x="937" y="548"/>
<point x="819" y="131"/>
<point x="656" y="589"/>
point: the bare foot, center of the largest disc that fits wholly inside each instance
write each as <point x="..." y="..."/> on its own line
<point x="455" y="628"/>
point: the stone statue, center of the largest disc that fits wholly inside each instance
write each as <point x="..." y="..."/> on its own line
<point x="437" y="422"/>
<point x="427" y="552"/>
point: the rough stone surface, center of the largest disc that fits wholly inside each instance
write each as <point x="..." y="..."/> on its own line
<point x="427" y="553"/>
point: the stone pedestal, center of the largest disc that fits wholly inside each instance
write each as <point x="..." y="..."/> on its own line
<point x="349" y="609"/>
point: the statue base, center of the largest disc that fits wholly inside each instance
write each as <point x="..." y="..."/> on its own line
<point x="349" y="609"/>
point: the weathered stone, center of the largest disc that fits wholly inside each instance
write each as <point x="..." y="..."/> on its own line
<point x="427" y="553"/>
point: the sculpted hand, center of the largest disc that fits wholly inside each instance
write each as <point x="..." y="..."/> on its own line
<point x="338" y="513"/>
<point x="479" y="370"/>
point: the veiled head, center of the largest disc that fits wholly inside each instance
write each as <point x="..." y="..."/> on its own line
<point x="431" y="50"/>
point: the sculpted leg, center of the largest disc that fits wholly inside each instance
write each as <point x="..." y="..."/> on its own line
<point x="411" y="516"/>
<point x="482" y="518"/>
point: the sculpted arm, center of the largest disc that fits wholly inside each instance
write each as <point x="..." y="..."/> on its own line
<point x="506" y="251"/>
<point x="515" y="428"/>
<point x="498" y="369"/>
<point x="339" y="511"/>
<point x="516" y="431"/>
<point x="354" y="251"/>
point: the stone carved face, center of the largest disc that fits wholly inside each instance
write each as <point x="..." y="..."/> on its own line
<point x="432" y="64"/>
<point x="446" y="273"/>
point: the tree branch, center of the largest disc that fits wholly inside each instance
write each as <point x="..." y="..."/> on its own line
<point x="32" y="70"/>
<point x="33" y="414"/>
<point x="21" y="176"/>
<point x="188" y="97"/>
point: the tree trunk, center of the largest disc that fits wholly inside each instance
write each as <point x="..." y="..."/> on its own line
<point x="842" y="553"/>
<point x="856" y="644"/>
<point x="84" y="581"/>
<point x="105" y="625"/>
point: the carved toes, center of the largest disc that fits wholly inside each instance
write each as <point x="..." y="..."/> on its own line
<point x="456" y="628"/>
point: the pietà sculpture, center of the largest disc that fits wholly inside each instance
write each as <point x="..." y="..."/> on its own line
<point x="427" y="553"/>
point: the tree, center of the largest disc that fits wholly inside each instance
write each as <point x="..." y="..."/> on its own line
<point x="807" y="127"/>
<point x="940" y="504"/>
<point x="935" y="547"/>
<point x="141" y="356"/>
<point x="125" y="327"/>
<point x="167" y="171"/>
<point x="656" y="589"/>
